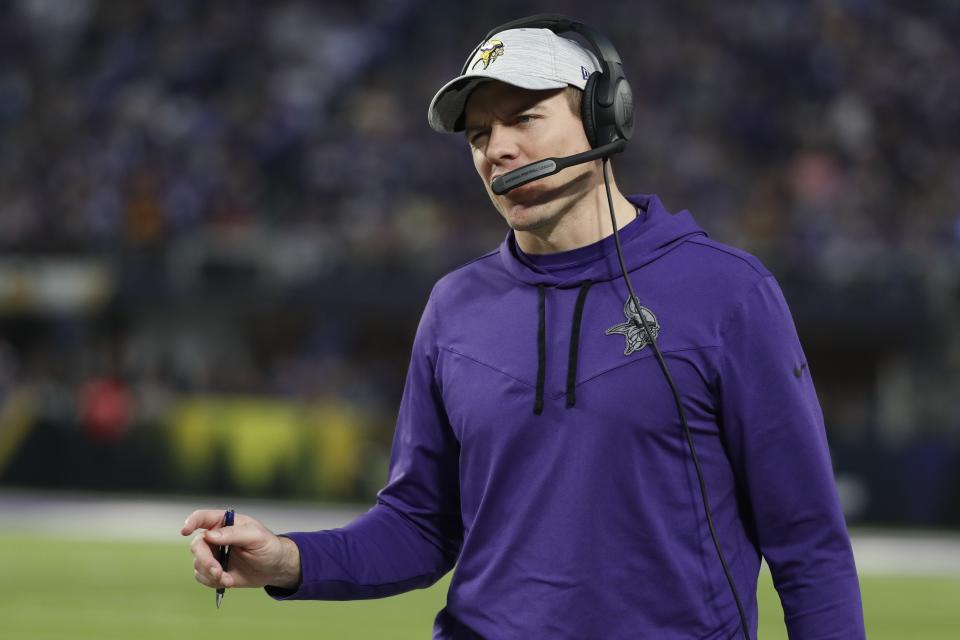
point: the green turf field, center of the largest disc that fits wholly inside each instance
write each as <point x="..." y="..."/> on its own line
<point x="68" y="589"/>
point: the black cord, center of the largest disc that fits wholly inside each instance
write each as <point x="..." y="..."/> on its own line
<point x="676" y="397"/>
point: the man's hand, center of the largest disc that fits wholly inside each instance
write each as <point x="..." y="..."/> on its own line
<point x="258" y="558"/>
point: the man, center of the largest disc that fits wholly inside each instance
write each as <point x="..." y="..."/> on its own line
<point x="538" y="444"/>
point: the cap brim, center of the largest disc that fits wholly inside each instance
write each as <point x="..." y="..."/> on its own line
<point x="446" y="109"/>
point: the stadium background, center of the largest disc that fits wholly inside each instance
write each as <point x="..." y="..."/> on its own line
<point x="219" y="222"/>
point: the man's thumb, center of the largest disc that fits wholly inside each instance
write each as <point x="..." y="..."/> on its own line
<point x="239" y="535"/>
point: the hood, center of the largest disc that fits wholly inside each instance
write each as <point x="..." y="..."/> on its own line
<point x="655" y="232"/>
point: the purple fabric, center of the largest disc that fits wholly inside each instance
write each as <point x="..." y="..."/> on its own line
<point x="587" y="521"/>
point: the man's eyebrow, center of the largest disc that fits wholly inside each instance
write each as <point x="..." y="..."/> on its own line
<point x="520" y="108"/>
<point x="470" y="128"/>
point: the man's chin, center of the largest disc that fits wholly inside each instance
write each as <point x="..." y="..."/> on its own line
<point x="522" y="217"/>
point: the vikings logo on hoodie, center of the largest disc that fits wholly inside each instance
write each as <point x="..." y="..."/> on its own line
<point x="633" y="330"/>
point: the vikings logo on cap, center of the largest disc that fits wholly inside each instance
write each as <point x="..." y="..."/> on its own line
<point x="633" y="330"/>
<point x="489" y="52"/>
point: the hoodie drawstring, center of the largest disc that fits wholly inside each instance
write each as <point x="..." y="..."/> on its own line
<point x="575" y="342"/>
<point x="541" y="350"/>
<point x="574" y="345"/>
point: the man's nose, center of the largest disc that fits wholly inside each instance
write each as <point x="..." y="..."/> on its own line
<point x="501" y="145"/>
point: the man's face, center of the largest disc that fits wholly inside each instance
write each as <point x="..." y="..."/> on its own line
<point x="508" y="127"/>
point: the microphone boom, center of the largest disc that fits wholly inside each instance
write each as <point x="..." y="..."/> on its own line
<point x="549" y="166"/>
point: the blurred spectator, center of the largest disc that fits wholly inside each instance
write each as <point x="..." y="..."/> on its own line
<point x="261" y="181"/>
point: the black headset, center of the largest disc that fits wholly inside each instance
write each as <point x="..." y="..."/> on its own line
<point x="607" y="104"/>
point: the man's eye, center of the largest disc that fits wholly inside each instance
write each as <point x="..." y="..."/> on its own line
<point x="524" y="118"/>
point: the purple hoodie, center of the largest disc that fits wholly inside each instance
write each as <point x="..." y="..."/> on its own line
<point x="538" y="448"/>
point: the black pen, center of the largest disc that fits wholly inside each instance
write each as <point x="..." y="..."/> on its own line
<point x="223" y="553"/>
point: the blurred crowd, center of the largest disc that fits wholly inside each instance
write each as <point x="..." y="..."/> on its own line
<point x="270" y="207"/>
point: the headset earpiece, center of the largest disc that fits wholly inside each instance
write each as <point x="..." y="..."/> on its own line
<point x="612" y="121"/>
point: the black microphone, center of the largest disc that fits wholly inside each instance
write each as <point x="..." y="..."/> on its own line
<point x="549" y="166"/>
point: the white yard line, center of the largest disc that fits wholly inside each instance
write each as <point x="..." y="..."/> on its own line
<point x="107" y="517"/>
<point x="148" y="518"/>
<point x="907" y="553"/>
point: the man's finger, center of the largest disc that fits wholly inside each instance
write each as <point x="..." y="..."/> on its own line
<point x="210" y="569"/>
<point x="245" y="535"/>
<point x="201" y="551"/>
<point x="202" y="519"/>
<point x="203" y="579"/>
<point x="212" y="573"/>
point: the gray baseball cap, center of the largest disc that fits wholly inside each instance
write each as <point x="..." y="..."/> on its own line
<point x="526" y="58"/>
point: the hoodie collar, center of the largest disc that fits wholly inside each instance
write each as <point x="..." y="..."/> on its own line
<point x="654" y="232"/>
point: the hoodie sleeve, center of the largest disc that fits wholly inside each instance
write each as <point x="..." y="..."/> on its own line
<point x="412" y="536"/>
<point x="776" y="439"/>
